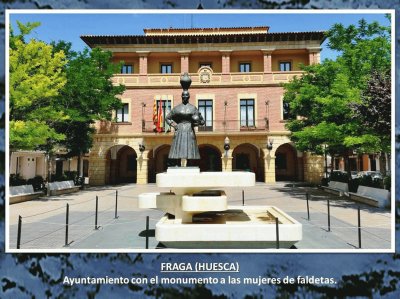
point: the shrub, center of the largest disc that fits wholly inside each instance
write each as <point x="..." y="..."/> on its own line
<point x="37" y="182"/>
<point x="368" y="181"/>
<point x="339" y="176"/>
<point x="16" y="180"/>
<point x="387" y="182"/>
<point x="324" y="181"/>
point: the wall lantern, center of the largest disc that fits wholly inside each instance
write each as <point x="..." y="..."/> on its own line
<point x="227" y="145"/>
<point x="142" y="147"/>
<point x="270" y="143"/>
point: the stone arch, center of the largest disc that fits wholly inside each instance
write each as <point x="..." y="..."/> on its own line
<point x="286" y="164"/>
<point x="121" y="165"/>
<point x="210" y="158"/>
<point x="246" y="157"/>
<point x="158" y="161"/>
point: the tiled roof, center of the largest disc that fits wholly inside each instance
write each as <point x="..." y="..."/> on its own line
<point x="205" y="31"/>
<point x="93" y="40"/>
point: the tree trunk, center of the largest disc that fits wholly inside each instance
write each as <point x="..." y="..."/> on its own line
<point x="382" y="164"/>
<point x="347" y="165"/>
<point x="79" y="164"/>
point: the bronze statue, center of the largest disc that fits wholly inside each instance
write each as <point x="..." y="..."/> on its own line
<point x="183" y="118"/>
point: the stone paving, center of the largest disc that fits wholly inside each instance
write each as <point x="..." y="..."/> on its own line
<point x="43" y="219"/>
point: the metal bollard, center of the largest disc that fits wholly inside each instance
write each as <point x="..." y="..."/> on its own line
<point x="308" y="207"/>
<point x="242" y="197"/>
<point x="97" y="209"/>
<point x="19" y="232"/>
<point x="329" y="218"/>
<point x="66" y="225"/>
<point x="116" y="204"/>
<point x="277" y="232"/>
<point x="147" y="232"/>
<point x="359" y="228"/>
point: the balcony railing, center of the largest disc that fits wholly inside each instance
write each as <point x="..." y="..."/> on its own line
<point x="215" y="79"/>
<point x="216" y="126"/>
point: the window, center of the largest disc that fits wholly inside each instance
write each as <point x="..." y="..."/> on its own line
<point x="286" y="110"/>
<point x="166" y="68"/>
<point x="166" y="108"/>
<point x="247" y="113"/>
<point x="209" y="64"/>
<point x="285" y="66"/>
<point x="127" y="69"/>
<point x="206" y="110"/>
<point x="123" y="113"/>
<point x="245" y="67"/>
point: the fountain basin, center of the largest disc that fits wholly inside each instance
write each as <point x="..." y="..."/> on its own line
<point x="236" y="228"/>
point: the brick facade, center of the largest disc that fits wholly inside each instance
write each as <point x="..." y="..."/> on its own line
<point x="214" y="60"/>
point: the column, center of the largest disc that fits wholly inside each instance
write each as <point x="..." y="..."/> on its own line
<point x="226" y="163"/>
<point x="226" y="65"/>
<point x="97" y="170"/>
<point x="184" y="61"/>
<point x="314" y="55"/>
<point x="267" y="60"/>
<point x="267" y="54"/>
<point x="142" y="168"/>
<point x="269" y="168"/>
<point x="143" y="66"/>
<point x="226" y="61"/>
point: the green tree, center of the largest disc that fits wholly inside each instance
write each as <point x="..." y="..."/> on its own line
<point x="88" y="95"/>
<point x="322" y="116"/>
<point x="36" y="78"/>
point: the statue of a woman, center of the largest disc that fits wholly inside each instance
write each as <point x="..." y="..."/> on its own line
<point x="183" y="118"/>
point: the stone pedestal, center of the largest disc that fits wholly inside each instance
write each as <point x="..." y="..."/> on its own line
<point x="203" y="219"/>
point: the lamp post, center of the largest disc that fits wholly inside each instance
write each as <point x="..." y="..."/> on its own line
<point x="227" y="146"/>
<point x="270" y="143"/>
<point x="142" y="147"/>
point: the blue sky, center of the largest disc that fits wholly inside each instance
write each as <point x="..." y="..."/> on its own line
<point x="69" y="27"/>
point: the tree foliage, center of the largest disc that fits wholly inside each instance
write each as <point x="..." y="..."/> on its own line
<point x="57" y="94"/>
<point x="88" y="95"/>
<point x="36" y="77"/>
<point x="327" y="102"/>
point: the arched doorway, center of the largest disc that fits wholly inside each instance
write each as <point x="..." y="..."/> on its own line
<point x="210" y="158"/>
<point x="286" y="163"/>
<point x="121" y="165"/>
<point x="159" y="162"/>
<point x="247" y="157"/>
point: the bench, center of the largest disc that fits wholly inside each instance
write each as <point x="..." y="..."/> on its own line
<point x="337" y="188"/>
<point x="372" y="196"/>
<point x="63" y="187"/>
<point x="23" y="193"/>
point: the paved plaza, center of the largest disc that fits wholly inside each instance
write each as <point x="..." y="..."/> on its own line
<point x="43" y="220"/>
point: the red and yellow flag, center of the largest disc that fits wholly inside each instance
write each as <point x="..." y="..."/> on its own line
<point x="160" y="118"/>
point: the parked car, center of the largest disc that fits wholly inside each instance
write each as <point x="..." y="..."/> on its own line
<point x="373" y="174"/>
<point x="354" y="174"/>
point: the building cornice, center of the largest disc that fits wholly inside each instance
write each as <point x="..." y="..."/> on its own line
<point x="110" y="40"/>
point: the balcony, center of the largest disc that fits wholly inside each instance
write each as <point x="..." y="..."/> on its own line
<point x="217" y="126"/>
<point x="202" y="79"/>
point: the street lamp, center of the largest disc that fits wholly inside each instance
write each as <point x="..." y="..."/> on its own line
<point x="142" y="147"/>
<point x="270" y="143"/>
<point x="227" y="146"/>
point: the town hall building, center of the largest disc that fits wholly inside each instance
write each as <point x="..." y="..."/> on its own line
<point x="237" y="76"/>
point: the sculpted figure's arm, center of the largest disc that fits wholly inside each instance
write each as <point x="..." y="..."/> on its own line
<point x="169" y="120"/>
<point x="198" y="119"/>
